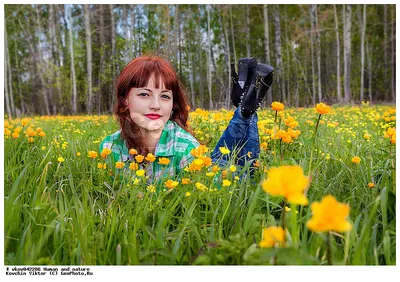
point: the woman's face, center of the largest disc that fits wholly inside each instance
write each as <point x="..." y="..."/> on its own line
<point x="150" y="107"/>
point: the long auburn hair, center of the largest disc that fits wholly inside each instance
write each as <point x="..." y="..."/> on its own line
<point x="136" y="74"/>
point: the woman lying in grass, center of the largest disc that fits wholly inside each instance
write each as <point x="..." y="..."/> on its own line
<point x="152" y="111"/>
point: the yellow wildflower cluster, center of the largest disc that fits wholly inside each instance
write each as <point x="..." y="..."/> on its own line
<point x="273" y="236"/>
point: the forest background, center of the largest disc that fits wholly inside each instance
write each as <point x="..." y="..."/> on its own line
<point x="65" y="59"/>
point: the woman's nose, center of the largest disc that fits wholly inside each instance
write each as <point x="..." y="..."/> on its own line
<point x="155" y="104"/>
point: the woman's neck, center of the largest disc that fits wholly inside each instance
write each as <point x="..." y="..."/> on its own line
<point x="150" y="139"/>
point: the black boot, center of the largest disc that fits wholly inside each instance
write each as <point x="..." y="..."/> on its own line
<point x="260" y="82"/>
<point x="246" y="67"/>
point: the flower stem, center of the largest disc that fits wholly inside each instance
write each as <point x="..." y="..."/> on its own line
<point x="283" y="217"/>
<point x="329" y="248"/>
<point x="276" y="115"/>
<point x="294" y="224"/>
<point x="313" y="144"/>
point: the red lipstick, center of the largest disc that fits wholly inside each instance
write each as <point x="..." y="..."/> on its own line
<point x="153" y="116"/>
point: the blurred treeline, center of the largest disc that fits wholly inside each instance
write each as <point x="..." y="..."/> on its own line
<point x="64" y="59"/>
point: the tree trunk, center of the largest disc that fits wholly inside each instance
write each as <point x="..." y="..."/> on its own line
<point x="102" y="58"/>
<point x="209" y="72"/>
<point x="267" y="50"/>
<point x="227" y="57"/>
<point x="363" y="24"/>
<point x="347" y="54"/>
<point x="18" y="75"/>
<point x="88" y="57"/>
<point x="176" y="38"/>
<point x="71" y="51"/>
<point x="113" y="59"/>
<point x="6" y="74"/>
<point x="278" y="48"/>
<point x="56" y="61"/>
<point x="41" y="68"/>
<point x="339" y="84"/>
<point x="313" y="27"/>
<point x="133" y="30"/>
<point x="369" y="60"/>
<point x="232" y="34"/>
<point x="318" y="56"/>
<point x="287" y="70"/>
<point x="385" y="56"/>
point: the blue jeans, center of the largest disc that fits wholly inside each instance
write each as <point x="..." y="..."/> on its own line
<point x="241" y="134"/>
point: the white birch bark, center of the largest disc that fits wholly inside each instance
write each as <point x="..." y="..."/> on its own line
<point x="363" y="24"/>
<point x="313" y="27"/>
<point x="338" y="80"/>
<point x="318" y="56"/>
<point x="74" y="102"/>
<point x="88" y="57"/>
<point x="232" y="34"/>
<point x="7" y="96"/>
<point x="40" y="65"/>
<point x="209" y="71"/>
<point x="113" y="56"/>
<point x="347" y="55"/>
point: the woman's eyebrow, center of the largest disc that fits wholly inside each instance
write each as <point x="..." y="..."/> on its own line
<point x="162" y="91"/>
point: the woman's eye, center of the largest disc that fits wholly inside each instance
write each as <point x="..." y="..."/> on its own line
<point x="166" y="97"/>
<point x="143" y="94"/>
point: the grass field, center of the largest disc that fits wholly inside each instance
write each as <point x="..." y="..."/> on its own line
<point x="64" y="206"/>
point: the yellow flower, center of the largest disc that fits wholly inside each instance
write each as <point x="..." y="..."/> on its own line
<point x="60" y="159"/>
<point x="232" y="168"/>
<point x="322" y="108"/>
<point x="287" y="209"/>
<point x="201" y="187"/>
<point x="210" y="174"/>
<point x="329" y="215"/>
<point x="272" y="236"/>
<point x="170" y="184"/>
<point x="224" y="150"/>
<point x="391" y="131"/>
<point x="133" y="166"/>
<point x="140" y="172"/>
<point x="186" y="181"/>
<point x="277" y="106"/>
<point x="150" y="157"/>
<point x="42" y="134"/>
<point x="92" y="154"/>
<point x="133" y="152"/>
<point x="151" y="188"/>
<point x="393" y="139"/>
<point x="105" y="153"/>
<point x="264" y="146"/>
<point x="199" y="151"/>
<point x="367" y="136"/>
<point x="198" y="162"/>
<point x="43" y="148"/>
<point x="15" y="135"/>
<point x="139" y="158"/>
<point x="78" y="154"/>
<point x="119" y="165"/>
<point x="356" y="160"/>
<point x="215" y="168"/>
<point x="371" y="185"/>
<point x="163" y="161"/>
<point x="226" y="183"/>
<point x="24" y="121"/>
<point x="30" y="139"/>
<point x="38" y="129"/>
<point x="187" y="194"/>
<point x="289" y="182"/>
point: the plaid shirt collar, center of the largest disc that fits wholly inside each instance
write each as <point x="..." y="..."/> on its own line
<point x="166" y="146"/>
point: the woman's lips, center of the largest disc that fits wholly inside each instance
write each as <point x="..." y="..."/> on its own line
<point x="153" y="116"/>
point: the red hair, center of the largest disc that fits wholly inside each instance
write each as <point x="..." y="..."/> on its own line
<point x="136" y="74"/>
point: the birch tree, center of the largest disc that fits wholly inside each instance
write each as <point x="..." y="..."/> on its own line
<point x="113" y="57"/>
<point x="338" y="78"/>
<point x="318" y="55"/>
<point x="313" y="27"/>
<point x="363" y="24"/>
<point x="347" y="54"/>
<point x="209" y="71"/>
<point x="40" y="64"/>
<point x="88" y="57"/>
<point x="74" y="101"/>
<point x="247" y="29"/>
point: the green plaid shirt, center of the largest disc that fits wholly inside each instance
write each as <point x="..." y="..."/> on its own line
<point x="175" y="144"/>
